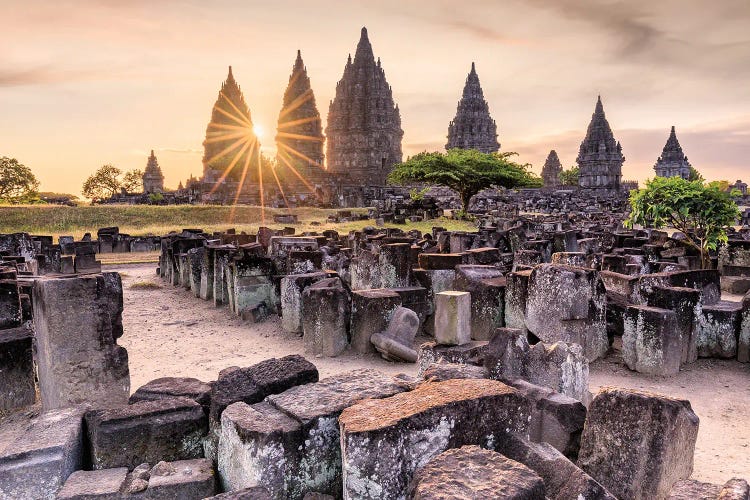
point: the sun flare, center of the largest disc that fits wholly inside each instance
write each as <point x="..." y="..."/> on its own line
<point x="258" y="130"/>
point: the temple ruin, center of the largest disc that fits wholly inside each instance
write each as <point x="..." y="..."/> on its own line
<point x="473" y="127"/>
<point x="672" y="162"/>
<point x="600" y="156"/>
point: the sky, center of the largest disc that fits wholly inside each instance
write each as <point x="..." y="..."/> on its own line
<point x="90" y="82"/>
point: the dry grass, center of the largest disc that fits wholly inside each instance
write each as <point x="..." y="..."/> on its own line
<point x="145" y="285"/>
<point x="116" y="259"/>
<point x="144" y="220"/>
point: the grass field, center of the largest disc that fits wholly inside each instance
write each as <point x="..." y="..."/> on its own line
<point x="142" y="220"/>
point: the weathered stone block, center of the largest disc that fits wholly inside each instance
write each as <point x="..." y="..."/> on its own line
<point x="10" y="304"/>
<point x="453" y="318"/>
<point x="718" y="329"/>
<point x="325" y="317"/>
<point x="441" y="371"/>
<point x="568" y="304"/>
<point x="516" y="294"/>
<point x="638" y="444"/>
<point x="290" y="442"/>
<point x="147" y="431"/>
<point x="172" y="387"/>
<point x="17" y="386"/>
<point x="431" y="352"/>
<point x="37" y="456"/>
<point x="384" y="442"/>
<point x="94" y="484"/>
<point x="561" y="367"/>
<point x="476" y="473"/>
<point x="505" y="358"/>
<point x="486" y="285"/>
<point x="651" y="342"/>
<point x="183" y="479"/>
<point x="77" y="321"/>
<point x="395" y="268"/>
<point x="690" y="489"/>
<point x="292" y="287"/>
<point x="685" y="302"/>
<point x="371" y="312"/>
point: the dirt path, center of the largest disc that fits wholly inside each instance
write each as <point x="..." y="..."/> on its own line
<point x="168" y="332"/>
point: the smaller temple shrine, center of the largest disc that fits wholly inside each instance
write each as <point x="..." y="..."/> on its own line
<point x="153" y="178"/>
<point x="473" y="127"/>
<point x="600" y="156"/>
<point x="551" y="171"/>
<point x="672" y="162"/>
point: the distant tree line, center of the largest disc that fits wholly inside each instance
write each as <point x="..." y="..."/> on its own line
<point x="109" y="181"/>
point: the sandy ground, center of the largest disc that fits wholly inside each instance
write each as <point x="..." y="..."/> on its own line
<point x="168" y="332"/>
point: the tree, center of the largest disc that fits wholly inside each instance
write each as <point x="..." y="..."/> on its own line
<point x="466" y="171"/>
<point x="570" y="176"/>
<point x="102" y="184"/>
<point x="701" y="212"/>
<point x="132" y="181"/>
<point x="694" y="175"/>
<point x="17" y="182"/>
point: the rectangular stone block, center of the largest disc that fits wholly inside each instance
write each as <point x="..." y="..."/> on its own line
<point x="77" y="322"/>
<point x="486" y="285"/>
<point x="371" y="312"/>
<point x="638" y="444"/>
<point x="10" y="304"/>
<point x="717" y="330"/>
<point x="384" y="442"/>
<point x="147" y="431"/>
<point x="38" y="455"/>
<point x="325" y="318"/>
<point x="292" y="287"/>
<point x="453" y="318"/>
<point x="17" y="386"/>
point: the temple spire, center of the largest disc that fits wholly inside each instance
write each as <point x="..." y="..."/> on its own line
<point x="600" y="156"/>
<point x="672" y="162"/>
<point x="551" y="170"/>
<point x="473" y="127"/>
<point x="364" y="49"/>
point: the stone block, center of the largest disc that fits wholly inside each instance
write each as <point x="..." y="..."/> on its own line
<point x="292" y="287"/>
<point x="651" y="342"/>
<point x="441" y="371"/>
<point x="568" y="304"/>
<point x="325" y="318"/>
<point x="743" y="340"/>
<point x="476" y="473"/>
<point x="486" y="285"/>
<point x="505" y="358"/>
<point x="718" y="329"/>
<point x="252" y="493"/>
<point x="735" y="489"/>
<point x="172" y="387"/>
<point x="17" y="386"/>
<point x="467" y="354"/>
<point x="453" y="318"/>
<point x="290" y="442"/>
<point x="371" y="312"/>
<point x="638" y="444"/>
<point x="184" y="479"/>
<point x="77" y="322"/>
<point x="384" y="442"/>
<point x="685" y="302"/>
<point x="395" y="268"/>
<point x="516" y="294"/>
<point x="690" y="489"/>
<point x="102" y="484"/>
<point x="147" y="431"/>
<point x="563" y="480"/>
<point x="38" y="455"/>
<point x="10" y="304"/>
<point x="561" y="367"/>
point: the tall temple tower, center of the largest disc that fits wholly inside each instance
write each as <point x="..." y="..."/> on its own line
<point x="153" y="178"/>
<point x="473" y="127"/>
<point x="299" y="136"/>
<point x="551" y="171"/>
<point x="364" y="125"/>
<point x="231" y="150"/>
<point x="600" y="156"/>
<point x="672" y="162"/>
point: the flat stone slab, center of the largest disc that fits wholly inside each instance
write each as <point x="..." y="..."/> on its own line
<point x="93" y="484"/>
<point x="474" y="473"/>
<point x="171" y="387"/>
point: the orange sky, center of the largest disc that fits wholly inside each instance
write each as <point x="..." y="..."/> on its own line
<point x="89" y="82"/>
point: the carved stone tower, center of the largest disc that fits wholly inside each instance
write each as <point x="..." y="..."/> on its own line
<point x="231" y="149"/>
<point x="364" y="125"/>
<point x="600" y="156"/>
<point x="473" y="127"/>
<point x="299" y="137"/>
<point x="672" y="162"/>
<point x="551" y="170"/>
<point x="153" y="178"/>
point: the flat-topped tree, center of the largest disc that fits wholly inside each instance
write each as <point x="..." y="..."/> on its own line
<point x="466" y="171"/>
<point x="702" y="212"/>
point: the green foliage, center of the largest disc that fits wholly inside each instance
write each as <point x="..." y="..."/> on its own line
<point x="418" y="194"/>
<point x="570" y="176"/>
<point x="132" y="181"/>
<point x="466" y="171"/>
<point x="17" y="182"/>
<point x="102" y="184"/>
<point x="702" y="212"/>
<point x="155" y="198"/>
<point x="694" y="175"/>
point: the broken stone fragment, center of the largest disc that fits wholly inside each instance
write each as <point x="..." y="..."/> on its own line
<point x="384" y="442"/>
<point x="472" y="472"/>
<point x="638" y="444"/>
<point x="397" y="341"/>
<point x="170" y="387"/>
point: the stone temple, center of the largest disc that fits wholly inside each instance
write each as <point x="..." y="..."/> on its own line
<point x="600" y="156"/>
<point x="231" y="149"/>
<point x="364" y="124"/>
<point x="299" y="137"/>
<point x="672" y="162"/>
<point x="473" y="127"/>
<point x="551" y="171"/>
<point x="153" y="178"/>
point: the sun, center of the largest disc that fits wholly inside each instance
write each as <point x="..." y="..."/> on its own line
<point x="258" y="130"/>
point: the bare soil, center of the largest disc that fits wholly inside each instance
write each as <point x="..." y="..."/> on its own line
<point x="168" y="332"/>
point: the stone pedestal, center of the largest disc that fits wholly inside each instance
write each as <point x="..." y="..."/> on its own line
<point x="77" y="322"/>
<point x="453" y="318"/>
